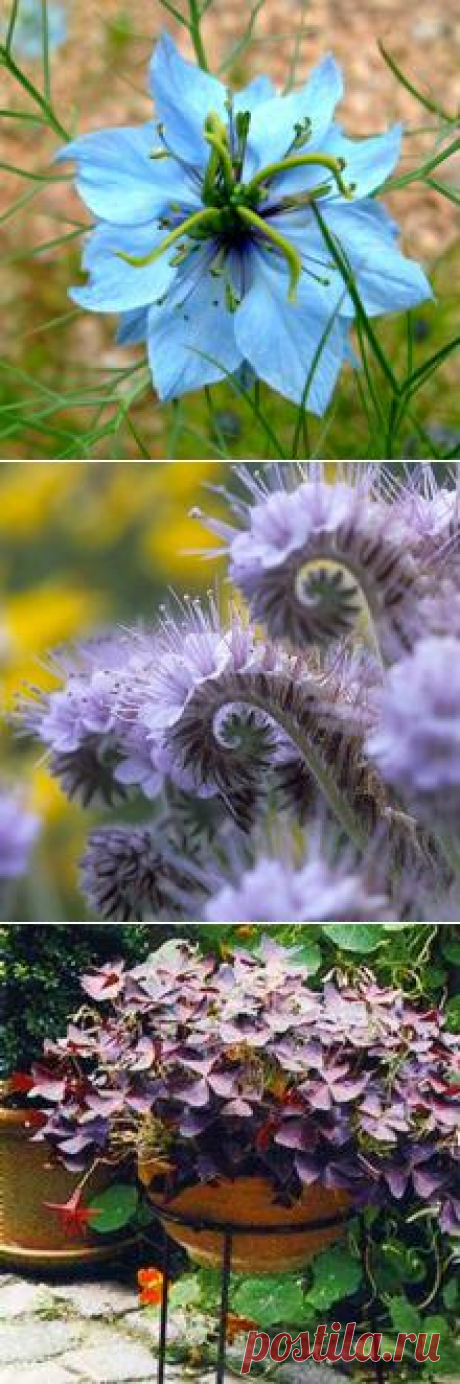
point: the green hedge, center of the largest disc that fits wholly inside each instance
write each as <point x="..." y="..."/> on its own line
<point x="40" y="968"/>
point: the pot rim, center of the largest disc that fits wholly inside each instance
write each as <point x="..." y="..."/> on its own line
<point x="203" y="1222"/>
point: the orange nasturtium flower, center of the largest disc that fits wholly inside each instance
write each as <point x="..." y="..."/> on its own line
<point x="151" y="1286"/>
<point x="237" y="1326"/>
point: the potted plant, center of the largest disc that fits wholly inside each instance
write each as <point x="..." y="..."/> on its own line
<point x="245" y="1095"/>
<point x="38" y="962"/>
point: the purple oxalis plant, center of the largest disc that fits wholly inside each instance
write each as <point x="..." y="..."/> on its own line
<point x="212" y="1069"/>
<point x="298" y="760"/>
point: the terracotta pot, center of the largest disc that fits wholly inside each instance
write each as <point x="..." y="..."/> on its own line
<point x="250" y="1201"/>
<point x="31" y="1235"/>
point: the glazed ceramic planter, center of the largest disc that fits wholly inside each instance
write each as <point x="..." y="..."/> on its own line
<point x="31" y="1235"/>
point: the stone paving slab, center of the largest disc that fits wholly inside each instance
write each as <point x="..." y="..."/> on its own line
<point x="48" y="1373"/>
<point x="121" y="1361"/>
<point x="90" y="1299"/>
<point x="29" y="1339"/>
<point x="89" y="1332"/>
<point x="17" y="1298"/>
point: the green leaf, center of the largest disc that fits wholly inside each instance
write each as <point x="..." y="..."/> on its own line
<point x="186" y="1292"/>
<point x="452" y="1013"/>
<point x="307" y="956"/>
<point x="117" y="1207"/>
<point x="451" y="950"/>
<point x="451" y="1293"/>
<point x="403" y="1314"/>
<point x="448" y="1349"/>
<point x="358" y="938"/>
<point x="270" y="1300"/>
<point x="336" y="1274"/>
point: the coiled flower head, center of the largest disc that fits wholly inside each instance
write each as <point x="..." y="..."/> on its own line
<point x="313" y="559"/>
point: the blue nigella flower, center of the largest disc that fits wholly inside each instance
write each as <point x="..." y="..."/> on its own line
<point x="207" y="241"/>
<point x="28" y="29"/>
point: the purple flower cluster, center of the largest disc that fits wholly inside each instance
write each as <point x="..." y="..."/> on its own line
<point x="19" y="829"/>
<point x="347" y="704"/>
<point x="224" y="1068"/>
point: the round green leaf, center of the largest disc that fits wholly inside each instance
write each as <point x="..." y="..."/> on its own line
<point x="354" y="937"/>
<point x="116" y="1207"/>
<point x="270" y="1300"/>
<point x="336" y="1274"/>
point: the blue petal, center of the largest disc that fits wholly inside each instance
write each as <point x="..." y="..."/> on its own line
<point x="369" y="162"/>
<point x="386" y="280"/>
<point x="184" y="95"/>
<point x="132" y="329"/>
<point x="114" y="285"/>
<point x="120" y="182"/>
<point x="259" y="90"/>
<point x="280" y="339"/>
<point x="272" y="128"/>
<point x="192" y="343"/>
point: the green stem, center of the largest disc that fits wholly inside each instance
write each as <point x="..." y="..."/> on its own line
<point x="299" y="161"/>
<point x="290" y="254"/>
<point x="7" y="61"/>
<point x="195" y="34"/>
<point x="198" y="218"/>
<point x="450" y="847"/>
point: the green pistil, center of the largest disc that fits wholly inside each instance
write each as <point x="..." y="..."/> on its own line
<point x="194" y="225"/>
<point x="290" y="254"/>
<point x="334" y="166"/>
<point x="224" y="164"/>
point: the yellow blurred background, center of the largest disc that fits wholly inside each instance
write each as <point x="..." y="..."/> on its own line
<point x="82" y="546"/>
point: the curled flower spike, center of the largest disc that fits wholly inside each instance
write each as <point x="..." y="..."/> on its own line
<point x="129" y="874"/>
<point x="315" y="560"/>
<point x="207" y="242"/>
<point x="212" y="688"/>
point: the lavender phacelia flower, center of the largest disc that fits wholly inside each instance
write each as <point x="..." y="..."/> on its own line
<point x="276" y="890"/>
<point x="416" y="742"/>
<point x="335" y="693"/>
<point x="129" y="873"/>
<point x="19" y="829"/>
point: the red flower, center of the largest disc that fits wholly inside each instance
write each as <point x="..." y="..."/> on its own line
<point x="151" y="1286"/>
<point x="20" y="1081"/>
<point x="74" y="1217"/>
